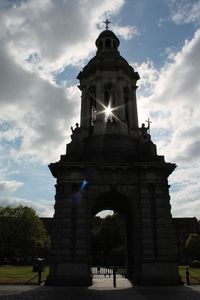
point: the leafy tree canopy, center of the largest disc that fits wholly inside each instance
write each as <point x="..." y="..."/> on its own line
<point x="108" y="233"/>
<point x="192" y="245"/>
<point x="22" y="233"/>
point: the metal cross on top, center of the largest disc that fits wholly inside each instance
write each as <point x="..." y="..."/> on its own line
<point x="107" y="22"/>
<point x="149" y="123"/>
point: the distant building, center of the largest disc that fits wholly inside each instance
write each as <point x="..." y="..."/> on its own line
<point x="183" y="227"/>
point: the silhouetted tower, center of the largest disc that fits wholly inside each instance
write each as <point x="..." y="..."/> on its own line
<point x="108" y="80"/>
<point x="111" y="163"/>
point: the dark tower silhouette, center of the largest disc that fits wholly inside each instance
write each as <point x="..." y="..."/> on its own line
<point x="111" y="163"/>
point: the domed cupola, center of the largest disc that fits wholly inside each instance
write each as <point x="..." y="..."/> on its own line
<point x="107" y="41"/>
<point x="108" y="81"/>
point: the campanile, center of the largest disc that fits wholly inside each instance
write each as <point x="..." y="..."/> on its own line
<point x="112" y="163"/>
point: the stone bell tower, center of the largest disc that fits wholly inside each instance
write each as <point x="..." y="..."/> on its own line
<point x="111" y="163"/>
<point x="108" y="81"/>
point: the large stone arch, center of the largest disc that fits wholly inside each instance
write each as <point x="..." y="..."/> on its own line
<point x="122" y="200"/>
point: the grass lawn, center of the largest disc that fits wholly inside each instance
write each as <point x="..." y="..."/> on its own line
<point x="194" y="274"/>
<point x="24" y="274"/>
<point x="20" y="274"/>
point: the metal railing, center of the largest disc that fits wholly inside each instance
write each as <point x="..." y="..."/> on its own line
<point x="108" y="271"/>
<point x="114" y="271"/>
<point x="191" y="277"/>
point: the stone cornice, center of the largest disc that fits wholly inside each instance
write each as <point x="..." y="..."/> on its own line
<point x="165" y="167"/>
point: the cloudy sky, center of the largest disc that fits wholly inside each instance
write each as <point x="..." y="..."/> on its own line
<point x="43" y="46"/>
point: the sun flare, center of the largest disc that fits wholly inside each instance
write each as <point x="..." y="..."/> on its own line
<point x="108" y="111"/>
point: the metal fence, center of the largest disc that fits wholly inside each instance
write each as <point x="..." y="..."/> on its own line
<point x="108" y="271"/>
<point x="191" y="277"/>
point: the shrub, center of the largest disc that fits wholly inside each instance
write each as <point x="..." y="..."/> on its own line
<point x="195" y="264"/>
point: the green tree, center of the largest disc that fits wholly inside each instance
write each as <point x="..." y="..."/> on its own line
<point x="108" y="236"/>
<point x="110" y="232"/>
<point x="192" y="246"/>
<point x="22" y="233"/>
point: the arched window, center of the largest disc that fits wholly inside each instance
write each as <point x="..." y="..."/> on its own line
<point x="108" y="94"/>
<point x="108" y="43"/>
<point x="106" y="97"/>
<point x="92" y="95"/>
<point x="100" y="45"/>
<point x="92" y="104"/>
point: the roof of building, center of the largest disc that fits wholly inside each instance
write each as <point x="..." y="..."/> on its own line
<point x="107" y="58"/>
<point x="108" y="34"/>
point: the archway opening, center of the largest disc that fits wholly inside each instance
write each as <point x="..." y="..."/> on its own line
<point x="104" y="213"/>
<point x="109" y="240"/>
<point x="112" y="237"/>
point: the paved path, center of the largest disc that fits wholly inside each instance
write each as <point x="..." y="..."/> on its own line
<point x="101" y="290"/>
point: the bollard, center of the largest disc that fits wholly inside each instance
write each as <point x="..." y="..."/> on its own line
<point x="39" y="277"/>
<point x="114" y="276"/>
<point x="40" y="268"/>
<point x="187" y="275"/>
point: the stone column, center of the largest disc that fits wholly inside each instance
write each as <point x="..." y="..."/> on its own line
<point x="120" y="112"/>
<point x="133" y="115"/>
<point x="85" y="109"/>
<point x="147" y="238"/>
<point x="82" y="106"/>
<point x="99" y="99"/>
<point x="165" y="234"/>
<point x="158" y="265"/>
<point x="69" y="260"/>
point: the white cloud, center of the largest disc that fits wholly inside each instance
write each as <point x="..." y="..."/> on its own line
<point x="185" y="195"/>
<point x="126" y="32"/>
<point x="39" y="39"/>
<point x="43" y="207"/>
<point x="175" y="93"/>
<point x="37" y="111"/>
<point x="148" y="76"/>
<point x="183" y="11"/>
<point x="174" y="108"/>
<point x="58" y="33"/>
<point x="10" y="186"/>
